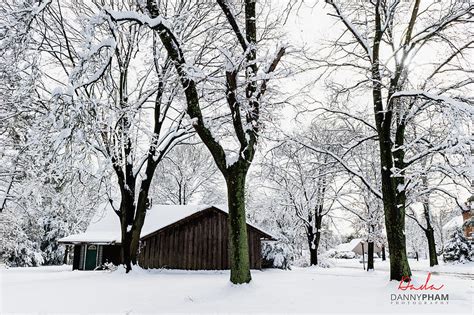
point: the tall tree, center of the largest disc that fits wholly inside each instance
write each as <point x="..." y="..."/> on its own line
<point x="245" y="102"/>
<point x="185" y="176"/>
<point x="104" y="101"/>
<point x="381" y="43"/>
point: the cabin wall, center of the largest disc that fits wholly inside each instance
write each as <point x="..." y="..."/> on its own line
<point x="104" y="254"/>
<point x="197" y="244"/>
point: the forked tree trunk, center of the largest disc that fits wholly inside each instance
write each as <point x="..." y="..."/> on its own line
<point x="370" y="256"/>
<point x="238" y="240"/>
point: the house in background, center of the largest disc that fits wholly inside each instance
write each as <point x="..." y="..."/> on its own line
<point x="173" y="236"/>
<point x="468" y="219"/>
<point x="465" y="221"/>
<point x="357" y="246"/>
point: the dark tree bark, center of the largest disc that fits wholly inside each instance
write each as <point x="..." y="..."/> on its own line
<point x="314" y="235"/>
<point x="313" y="245"/>
<point x="383" y="253"/>
<point x="429" y="231"/>
<point x="370" y="256"/>
<point x="431" y="247"/>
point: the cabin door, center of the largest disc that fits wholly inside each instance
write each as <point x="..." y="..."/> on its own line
<point x="91" y="257"/>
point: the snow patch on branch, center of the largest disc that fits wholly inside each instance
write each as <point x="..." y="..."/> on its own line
<point x="137" y="17"/>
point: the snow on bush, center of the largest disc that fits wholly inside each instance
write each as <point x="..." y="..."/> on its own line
<point x="457" y="248"/>
<point x="277" y="255"/>
<point x="330" y="253"/>
<point x="325" y="262"/>
<point x="345" y="255"/>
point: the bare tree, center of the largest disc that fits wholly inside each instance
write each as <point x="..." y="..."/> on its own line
<point x="306" y="181"/>
<point x="381" y="42"/>
<point x="186" y="174"/>
<point x="245" y="103"/>
<point x="115" y="98"/>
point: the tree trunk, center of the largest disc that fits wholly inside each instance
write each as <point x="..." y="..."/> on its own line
<point x="431" y="247"/>
<point x="383" y="253"/>
<point x="395" y="226"/>
<point x="417" y="256"/>
<point x="370" y="256"/>
<point x="313" y="256"/>
<point x="363" y="256"/>
<point x="394" y="210"/>
<point x="313" y="244"/>
<point x="238" y="243"/>
<point x="66" y="253"/>
<point x="126" y="257"/>
<point x="127" y="211"/>
<point x="429" y="231"/>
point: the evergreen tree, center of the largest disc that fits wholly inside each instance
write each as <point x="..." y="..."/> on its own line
<point x="457" y="248"/>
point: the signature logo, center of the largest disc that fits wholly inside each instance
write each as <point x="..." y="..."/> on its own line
<point x="405" y="284"/>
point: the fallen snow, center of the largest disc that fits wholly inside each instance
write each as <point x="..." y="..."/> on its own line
<point x="308" y="290"/>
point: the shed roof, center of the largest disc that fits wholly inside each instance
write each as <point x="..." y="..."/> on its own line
<point x="104" y="228"/>
<point x="355" y="246"/>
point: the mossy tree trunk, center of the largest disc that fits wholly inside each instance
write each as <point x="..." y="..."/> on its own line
<point x="238" y="239"/>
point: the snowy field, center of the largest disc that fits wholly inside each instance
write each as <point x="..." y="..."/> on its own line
<point x="342" y="289"/>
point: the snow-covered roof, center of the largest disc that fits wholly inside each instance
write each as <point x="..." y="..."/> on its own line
<point x="347" y="247"/>
<point x="454" y="223"/>
<point x="355" y="246"/>
<point x="104" y="228"/>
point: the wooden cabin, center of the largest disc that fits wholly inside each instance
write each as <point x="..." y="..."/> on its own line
<point x="173" y="236"/>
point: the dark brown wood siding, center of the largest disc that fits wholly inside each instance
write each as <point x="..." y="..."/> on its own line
<point x="198" y="242"/>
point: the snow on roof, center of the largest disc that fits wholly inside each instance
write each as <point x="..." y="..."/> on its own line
<point x="104" y="228"/>
<point x="347" y="247"/>
<point x="454" y="223"/>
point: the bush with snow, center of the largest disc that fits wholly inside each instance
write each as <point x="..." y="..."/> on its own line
<point x="330" y="253"/>
<point x="345" y="255"/>
<point x="325" y="262"/>
<point x="457" y="248"/>
<point x="277" y="255"/>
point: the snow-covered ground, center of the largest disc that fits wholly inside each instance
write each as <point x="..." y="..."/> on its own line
<point x="466" y="269"/>
<point x="342" y="289"/>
